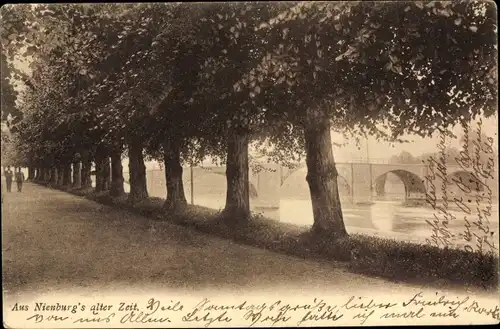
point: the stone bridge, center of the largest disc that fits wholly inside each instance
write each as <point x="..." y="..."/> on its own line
<point x="364" y="181"/>
<point x="358" y="182"/>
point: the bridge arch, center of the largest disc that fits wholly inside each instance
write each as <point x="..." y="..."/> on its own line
<point x="156" y="183"/>
<point x="199" y="173"/>
<point x="297" y="177"/>
<point x="412" y="182"/>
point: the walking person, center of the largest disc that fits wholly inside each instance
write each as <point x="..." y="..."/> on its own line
<point x="19" y="180"/>
<point x="8" y="179"/>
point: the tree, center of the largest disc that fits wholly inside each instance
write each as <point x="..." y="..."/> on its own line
<point x="232" y="48"/>
<point x="61" y="51"/>
<point x="404" y="157"/>
<point x="9" y="95"/>
<point x="202" y="62"/>
<point x="388" y="63"/>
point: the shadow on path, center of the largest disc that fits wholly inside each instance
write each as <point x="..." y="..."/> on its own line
<point x="53" y="239"/>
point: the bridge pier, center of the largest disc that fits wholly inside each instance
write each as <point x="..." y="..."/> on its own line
<point x="267" y="183"/>
<point x="361" y="183"/>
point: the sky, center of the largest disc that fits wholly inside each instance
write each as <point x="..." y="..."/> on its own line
<point x="417" y="145"/>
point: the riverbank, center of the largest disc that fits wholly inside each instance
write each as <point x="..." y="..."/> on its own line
<point x="415" y="203"/>
<point x="373" y="256"/>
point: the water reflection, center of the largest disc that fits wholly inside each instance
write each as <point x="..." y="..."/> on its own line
<point x="382" y="218"/>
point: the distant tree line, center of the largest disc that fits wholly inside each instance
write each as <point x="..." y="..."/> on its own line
<point x="453" y="153"/>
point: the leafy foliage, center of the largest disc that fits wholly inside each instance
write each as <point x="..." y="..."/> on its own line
<point x="431" y="66"/>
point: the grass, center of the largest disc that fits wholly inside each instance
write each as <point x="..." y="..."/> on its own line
<point x="402" y="261"/>
<point x="373" y="256"/>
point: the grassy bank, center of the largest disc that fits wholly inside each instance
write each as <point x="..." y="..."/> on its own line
<point x="386" y="258"/>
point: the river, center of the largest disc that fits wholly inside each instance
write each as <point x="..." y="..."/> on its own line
<point x="388" y="219"/>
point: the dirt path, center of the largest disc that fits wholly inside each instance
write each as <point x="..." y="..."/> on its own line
<point x="52" y="240"/>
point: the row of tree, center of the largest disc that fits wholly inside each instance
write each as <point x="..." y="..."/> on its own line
<point x="179" y="82"/>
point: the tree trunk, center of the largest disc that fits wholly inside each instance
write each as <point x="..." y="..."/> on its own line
<point x="176" y="199"/>
<point x="106" y="174"/>
<point x="322" y="176"/>
<point x="47" y="174"/>
<point x="60" y="175"/>
<point x="137" y="173"/>
<point x="116" y="175"/>
<point x="66" y="181"/>
<point x="53" y="176"/>
<point x="86" y="169"/>
<point x="77" y="175"/>
<point x="380" y="185"/>
<point x="99" y="173"/>
<point x="102" y="168"/>
<point x="237" y="207"/>
<point x="31" y="173"/>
